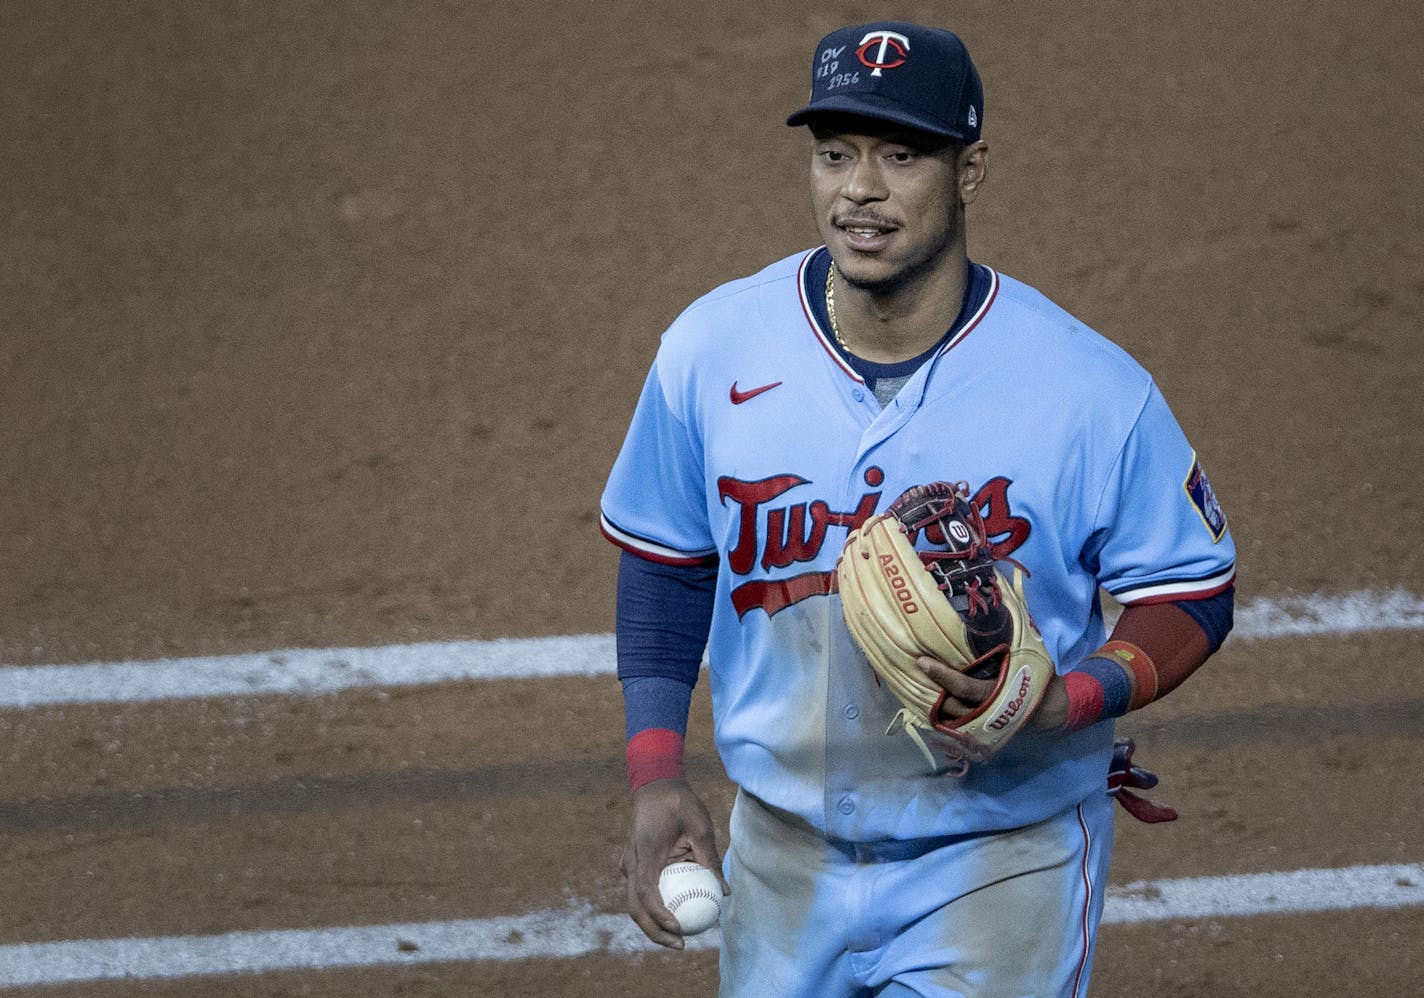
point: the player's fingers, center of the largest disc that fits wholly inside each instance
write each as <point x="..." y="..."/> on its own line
<point x="966" y="690"/>
<point x="655" y="921"/>
<point x="706" y="855"/>
<point x="658" y="931"/>
<point x="645" y="902"/>
<point x="655" y="928"/>
<point x="726" y="887"/>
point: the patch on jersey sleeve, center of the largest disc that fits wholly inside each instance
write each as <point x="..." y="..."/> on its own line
<point x="1204" y="499"/>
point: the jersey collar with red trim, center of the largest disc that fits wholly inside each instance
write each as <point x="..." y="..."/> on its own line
<point x="979" y="290"/>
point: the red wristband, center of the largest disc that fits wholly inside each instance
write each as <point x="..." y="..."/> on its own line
<point x="654" y="754"/>
<point x="1085" y="700"/>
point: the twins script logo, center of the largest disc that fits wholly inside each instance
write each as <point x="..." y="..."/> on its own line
<point x="889" y="54"/>
<point x="775" y="537"/>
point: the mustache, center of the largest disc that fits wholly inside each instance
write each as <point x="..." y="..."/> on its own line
<point x="866" y="219"/>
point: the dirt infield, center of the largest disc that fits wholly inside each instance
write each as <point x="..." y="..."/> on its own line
<point x="321" y="327"/>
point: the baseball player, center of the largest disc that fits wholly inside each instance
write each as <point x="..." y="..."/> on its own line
<point x="781" y="412"/>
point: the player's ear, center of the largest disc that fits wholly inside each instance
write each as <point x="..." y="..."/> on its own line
<point x="973" y="168"/>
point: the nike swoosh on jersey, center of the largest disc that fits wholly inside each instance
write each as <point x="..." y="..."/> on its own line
<point x="739" y="397"/>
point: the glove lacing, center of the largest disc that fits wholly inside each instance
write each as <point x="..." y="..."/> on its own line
<point x="954" y="762"/>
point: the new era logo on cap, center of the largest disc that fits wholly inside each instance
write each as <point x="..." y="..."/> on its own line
<point x="915" y="76"/>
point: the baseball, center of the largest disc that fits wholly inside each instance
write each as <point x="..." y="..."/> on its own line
<point x="693" y="894"/>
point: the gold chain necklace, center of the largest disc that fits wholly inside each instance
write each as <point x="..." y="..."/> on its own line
<point x="831" y="306"/>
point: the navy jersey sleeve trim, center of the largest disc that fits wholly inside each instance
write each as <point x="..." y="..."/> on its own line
<point x="1171" y="590"/>
<point x="651" y="550"/>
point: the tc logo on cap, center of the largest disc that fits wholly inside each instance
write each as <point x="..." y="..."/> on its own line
<point x="890" y="53"/>
<point x="935" y="89"/>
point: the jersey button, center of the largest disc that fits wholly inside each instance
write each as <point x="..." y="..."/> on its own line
<point x="845" y="805"/>
<point x="851" y="712"/>
<point x="857" y="394"/>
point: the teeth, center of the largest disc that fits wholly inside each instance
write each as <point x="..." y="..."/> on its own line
<point x="865" y="232"/>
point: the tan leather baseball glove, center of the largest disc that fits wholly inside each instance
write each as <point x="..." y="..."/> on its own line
<point x="951" y="603"/>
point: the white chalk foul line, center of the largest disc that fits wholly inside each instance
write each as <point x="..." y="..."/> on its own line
<point x="578" y="930"/>
<point x="1289" y="892"/>
<point x="307" y="671"/>
<point x="553" y="934"/>
<point x="312" y="671"/>
<point x="1345" y="613"/>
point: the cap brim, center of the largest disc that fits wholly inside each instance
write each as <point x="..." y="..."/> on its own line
<point x="863" y="107"/>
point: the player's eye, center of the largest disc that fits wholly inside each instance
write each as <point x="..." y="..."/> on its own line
<point x="903" y="156"/>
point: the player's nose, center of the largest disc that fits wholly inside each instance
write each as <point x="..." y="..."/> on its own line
<point x="864" y="182"/>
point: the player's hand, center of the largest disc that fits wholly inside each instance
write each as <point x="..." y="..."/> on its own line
<point x="670" y="824"/>
<point x="966" y="693"/>
<point x="1052" y="714"/>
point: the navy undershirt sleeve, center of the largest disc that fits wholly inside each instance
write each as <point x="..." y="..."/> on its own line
<point x="655" y="702"/>
<point x="1214" y="615"/>
<point x="663" y="618"/>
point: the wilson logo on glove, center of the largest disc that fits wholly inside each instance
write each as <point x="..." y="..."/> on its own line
<point x="1025" y="685"/>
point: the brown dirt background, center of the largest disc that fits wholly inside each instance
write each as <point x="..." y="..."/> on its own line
<point x="320" y="324"/>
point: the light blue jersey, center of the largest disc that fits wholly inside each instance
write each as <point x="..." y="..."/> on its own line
<point x="755" y="443"/>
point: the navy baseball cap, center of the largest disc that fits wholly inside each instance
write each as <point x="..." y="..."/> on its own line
<point x="904" y="73"/>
